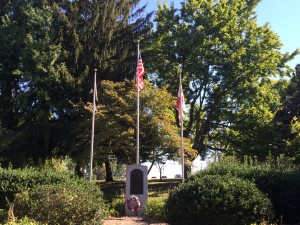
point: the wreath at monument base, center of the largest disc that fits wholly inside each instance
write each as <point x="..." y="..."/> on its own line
<point x="130" y="205"/>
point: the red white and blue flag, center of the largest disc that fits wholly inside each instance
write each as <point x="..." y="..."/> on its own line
<point x="180" y="103"/>
<point x="139" y="75"/>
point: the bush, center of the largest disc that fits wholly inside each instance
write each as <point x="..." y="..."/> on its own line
<point x="17" y="180"/>
<point x="23" y="221"/>
<point x="3" y="215"/>
<point x="80" y="203"/>
<point x="215" y="200"/>
<point x="278" y="179"/>
<point x="117" y="207"/>
<point x="156" y="209"/>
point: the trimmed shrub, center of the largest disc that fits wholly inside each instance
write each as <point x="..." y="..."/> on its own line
<point x="215" y="200"/>
<point x="17" y="180"/>
<point x="156" y="209"/>
<point x="80" y="203"/>
<point x="279" y="180"/>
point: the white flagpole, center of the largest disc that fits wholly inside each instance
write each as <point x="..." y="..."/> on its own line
<point x="93" y="126"/>
<point x="181" y="126"/>
<point x="138" y="110"/>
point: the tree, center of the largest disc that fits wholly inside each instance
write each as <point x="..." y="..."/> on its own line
<point x="253" y="133"/>
<point x="287" y="116"/>
<point x="29" y="80"/>
<point x="224" y="55"/>
<point x="160" y="164"/>
<point x="50" y="49"/>
<point x="115" y="129"/>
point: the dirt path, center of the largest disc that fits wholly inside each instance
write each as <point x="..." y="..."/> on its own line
<point x="131" y="221"/>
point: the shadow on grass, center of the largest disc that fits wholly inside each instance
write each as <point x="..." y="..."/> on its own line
<point x="156" y="188"/>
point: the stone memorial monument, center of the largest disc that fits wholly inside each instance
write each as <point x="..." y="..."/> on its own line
<point x="136" y="190"/>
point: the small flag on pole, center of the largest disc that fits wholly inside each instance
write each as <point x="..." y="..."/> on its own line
<point x="96" y="95"/>
<point x="139" y="75"/>
<point x="180" y="103"/>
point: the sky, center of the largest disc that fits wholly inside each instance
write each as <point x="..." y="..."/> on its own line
<point x="282" y="16"/>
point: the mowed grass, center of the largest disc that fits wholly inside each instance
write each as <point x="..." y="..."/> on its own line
<point x="156" y="188"/>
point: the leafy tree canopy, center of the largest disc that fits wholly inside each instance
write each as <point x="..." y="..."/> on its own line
<point x="115" y="126"/>
<point x="226" y="59"/>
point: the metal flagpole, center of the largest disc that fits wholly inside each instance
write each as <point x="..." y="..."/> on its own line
<point x="181" y="126"/>
<point x="93" y="126"/>
<point x="138" y="110"/>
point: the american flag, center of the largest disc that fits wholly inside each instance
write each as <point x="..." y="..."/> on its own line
<point x="180" y="107"/>
<point x="139" y="75"/>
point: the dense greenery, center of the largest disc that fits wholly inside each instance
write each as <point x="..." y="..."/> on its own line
<point x="28" y="191"/>
<point x="62" y="204"/>
<point x="47" y="59"/>
<point x="23" y="221"/>
<point x="51" y="48"/>
<point x="17" y="180"/>
<point x="215" y="199"/>
<point x="227" y="61"/>
<point x="278" y="179"/>
<point x="48" y="55"/>
<point x="156" y="209"/>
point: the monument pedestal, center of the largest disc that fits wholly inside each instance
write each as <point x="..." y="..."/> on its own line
<point x="136" y="190"/>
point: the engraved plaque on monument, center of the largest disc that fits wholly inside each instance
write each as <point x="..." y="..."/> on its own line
<point x="136" y="189"/>
<point x="136" y="182"/>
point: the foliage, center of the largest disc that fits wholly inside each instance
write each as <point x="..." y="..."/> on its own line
<point x="48" y="55"/>
<point x="216" y="199"/>
<point x="287" y="117"/>
<point x="62" y="204"/>
<point x="17" y="180"/>
<point x="277" y="178"/>
<point x="23" y="221"/>
<point x="29" y="69"/>
<point x="253" y="133"/>
<point x="115" y="125"/>
<point x="225" y="57"/>
<point x="156" y="209"/>
<point x="117" y="207"/>
<point x="3" y="215"/>
<point x="60" y="165"/>
<point x="293" y="148"/>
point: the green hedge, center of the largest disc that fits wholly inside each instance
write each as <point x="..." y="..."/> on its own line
<point x="21" y="182"/>
<point x="13" y="181"/>
<point x="62" y="204"/>
<point x="215" y="200"/>
<point x="279" y="181"/>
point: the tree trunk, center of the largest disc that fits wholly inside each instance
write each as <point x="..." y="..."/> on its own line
<point x="187" y="171"/>
<point x="109" y="176"/>
<point x="152" y="163"/>
<point x="160" y="174"/>
<point x="79" y="170"/>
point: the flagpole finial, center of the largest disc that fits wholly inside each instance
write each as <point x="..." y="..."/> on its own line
<point x="95" y="70"/>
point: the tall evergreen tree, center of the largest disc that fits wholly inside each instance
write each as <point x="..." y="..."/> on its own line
<point x="47" y="60"/>
<point x="29" y="78"/>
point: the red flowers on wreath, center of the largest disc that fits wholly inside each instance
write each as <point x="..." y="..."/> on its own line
<point x="133" y="206"/>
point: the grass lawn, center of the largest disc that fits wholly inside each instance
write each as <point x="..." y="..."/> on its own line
<point x="156" y="188"/>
